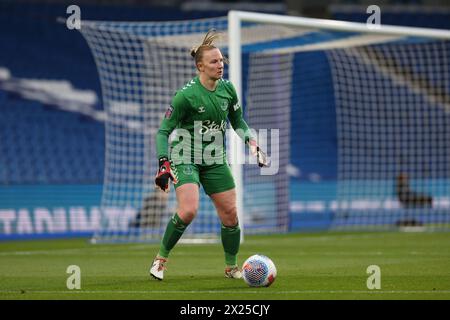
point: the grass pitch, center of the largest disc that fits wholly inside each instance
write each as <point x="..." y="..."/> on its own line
<point x="310" y="266"/>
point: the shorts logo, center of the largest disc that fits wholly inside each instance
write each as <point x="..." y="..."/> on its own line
<point x="187" y="170"/>
<point x="169" y="112"/>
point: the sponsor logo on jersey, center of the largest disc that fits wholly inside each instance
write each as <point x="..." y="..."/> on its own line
<point x="211" y="127"/>
<point x="169" y="112"/>
<point x="201" y="109"/>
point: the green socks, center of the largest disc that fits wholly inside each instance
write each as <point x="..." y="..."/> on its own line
<point x="173" y="233"/>
<point x="231" y="239"/>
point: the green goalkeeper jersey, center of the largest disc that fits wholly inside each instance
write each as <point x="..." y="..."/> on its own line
<point x="200" y="117"/>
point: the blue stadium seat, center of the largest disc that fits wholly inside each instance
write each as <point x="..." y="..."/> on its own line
<point x="46" y="145"/>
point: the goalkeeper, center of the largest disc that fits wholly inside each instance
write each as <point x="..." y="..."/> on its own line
<point x="202" y="108"/>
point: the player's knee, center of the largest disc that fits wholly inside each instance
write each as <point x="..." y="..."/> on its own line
<point x="229" y="217"/>
<point x="187" y="213"/>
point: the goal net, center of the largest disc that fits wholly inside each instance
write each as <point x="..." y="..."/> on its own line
<point x="388" y="96"/>
<point x="141" y="66"/>
<point x="393" y="117"/>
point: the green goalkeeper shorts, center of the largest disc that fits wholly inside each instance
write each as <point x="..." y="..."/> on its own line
<point x="213" y="178"/>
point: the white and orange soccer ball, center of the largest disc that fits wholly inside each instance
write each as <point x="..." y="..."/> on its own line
<point x="259" y="271"/>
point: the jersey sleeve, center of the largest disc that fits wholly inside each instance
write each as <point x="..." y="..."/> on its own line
<point x="236" y="118"/>
<point x="173" y="116"/>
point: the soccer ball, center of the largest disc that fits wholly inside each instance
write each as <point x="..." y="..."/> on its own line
<point x="259" y="271"/>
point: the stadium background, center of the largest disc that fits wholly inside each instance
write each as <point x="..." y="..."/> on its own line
<point x="51" y="129"/>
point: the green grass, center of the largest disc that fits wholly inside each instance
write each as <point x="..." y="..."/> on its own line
<point x="310" y="266"/>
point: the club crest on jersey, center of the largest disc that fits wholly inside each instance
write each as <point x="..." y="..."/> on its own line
<point x="187" y="171"/>
<point x="224" y="105"/>
<point x="201" y="109"/>
<point x="169" y="112"/>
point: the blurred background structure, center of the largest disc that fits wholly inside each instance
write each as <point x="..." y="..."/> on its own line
<point x="52" y="120"/>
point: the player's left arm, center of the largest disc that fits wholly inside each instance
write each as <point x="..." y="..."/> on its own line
<point x="241" y="127"/>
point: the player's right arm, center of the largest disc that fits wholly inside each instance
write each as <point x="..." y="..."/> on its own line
<point x="173" y="116"/>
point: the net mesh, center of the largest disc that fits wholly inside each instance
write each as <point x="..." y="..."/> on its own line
<point x="393" y="117"/>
